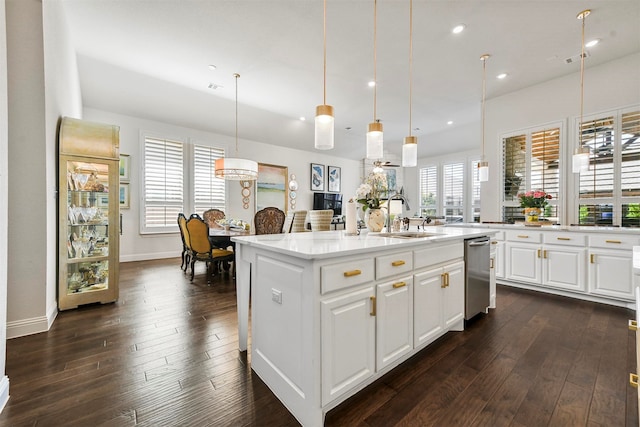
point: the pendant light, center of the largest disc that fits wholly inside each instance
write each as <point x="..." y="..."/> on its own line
<point x="483" y="166"/>
<point x="324" y="113"/>
<point x="234" y="168"/>
<point x="410" y="146"/>
<point x="374" y="134"/>
<point x="580" y="160"/>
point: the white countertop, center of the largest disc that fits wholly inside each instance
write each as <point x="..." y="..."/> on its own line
<point x="581" y="229"/>
<point x="330" y="244"/>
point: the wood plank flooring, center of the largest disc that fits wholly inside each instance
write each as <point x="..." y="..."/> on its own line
<point x="166" y="355"/>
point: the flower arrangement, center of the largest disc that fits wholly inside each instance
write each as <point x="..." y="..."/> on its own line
<point x="372" y="191"/>
<point x="233" y="223"/>
<point x="534" y="199"/>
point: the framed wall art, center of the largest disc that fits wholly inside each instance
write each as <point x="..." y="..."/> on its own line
<point x="272" y="187"/>
<point x="317" y="177"/>
<point x="124" y="167"/>
<point x="124" y="196"/>
<point x="333" y="177"/>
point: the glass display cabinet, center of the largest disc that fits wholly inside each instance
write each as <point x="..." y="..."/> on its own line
<point x="88" y="235"/>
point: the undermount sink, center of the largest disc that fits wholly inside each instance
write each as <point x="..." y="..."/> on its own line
<point x="406" y="234"/>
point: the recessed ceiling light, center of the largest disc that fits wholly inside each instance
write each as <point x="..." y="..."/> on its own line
<point x="450" y="122"/>
<point x="458" y="29"/>
<point x="303" y="118"/>
<point x="372" y="83"/>
<point x="212" y="67"/>
<point x="215" y="86"/>
<point x="592" y="43"/>
<point x="501" y="76"/>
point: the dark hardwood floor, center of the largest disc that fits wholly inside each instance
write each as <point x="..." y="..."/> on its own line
<point x="166" y="355"/>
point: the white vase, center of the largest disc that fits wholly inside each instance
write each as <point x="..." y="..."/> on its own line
<point x="374" y="218"/>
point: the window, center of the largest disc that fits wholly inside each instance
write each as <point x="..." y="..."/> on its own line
<point x="609" y="191"/>
<point x="453" y="195"/>
<point x="173" y="169"/>
<point x="531" y="161"/>
<point x="428" y="191"/>
<point x="475" y="191"/>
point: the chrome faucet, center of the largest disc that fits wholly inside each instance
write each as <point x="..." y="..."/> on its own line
<point x="395" y="196"/>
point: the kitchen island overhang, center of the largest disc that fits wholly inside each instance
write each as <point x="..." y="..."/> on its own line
<point x="330" y="313"/>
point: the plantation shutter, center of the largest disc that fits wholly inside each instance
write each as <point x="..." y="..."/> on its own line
<point x="630" y="169"/>
<point x="208" y="191"/>
<point x="545" y="166"/>
<point x="475" y="191"/>
<point x="453" y="200"/>
<point x="428" y="190"/>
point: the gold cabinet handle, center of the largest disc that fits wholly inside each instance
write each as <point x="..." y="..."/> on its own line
<point x="633" y="380"/>
<point x="563" y="238"/>
<point x="592" y="258"/>
<point x="523" y="236"/>
<point x="397" y="263"/>
<point x="352" y="273"/>
<point x="544" y="254"/>
<point x="373" y="306"/>
<point x="491" y="262"/>
<point x="613" y="241"/>
<point x="446" y="278"/>
<point x="443" y="280"/>
<point x="399" y="285"/>
<point x="494" y="242"/>
<point x="539" y="253"/>
<point x="633" y="325"/>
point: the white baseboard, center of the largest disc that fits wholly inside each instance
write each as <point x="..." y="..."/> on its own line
<point x="52" y="313"/>
<point x="20" y="328"/>
<point x="146" y="257"/>
<point x="4" y="392"/>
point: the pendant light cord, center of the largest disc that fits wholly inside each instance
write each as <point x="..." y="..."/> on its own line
<point x="484" y="96"/>
<point x="584" y="18"/>
<point x="410" y="61"/>
<point x="375" y="50"/>
<point x="236" y="75"/>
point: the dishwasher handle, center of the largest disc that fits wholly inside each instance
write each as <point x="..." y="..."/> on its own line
<point x="482" y="243"/>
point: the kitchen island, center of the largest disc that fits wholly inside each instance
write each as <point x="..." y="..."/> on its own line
<point x="331" y="313"/>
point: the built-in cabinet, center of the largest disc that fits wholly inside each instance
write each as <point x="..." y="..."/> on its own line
<point x="611" y="266"/>
<point x="88" y="236"/>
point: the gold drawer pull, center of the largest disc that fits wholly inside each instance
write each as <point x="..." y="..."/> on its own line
<point x="373" y="306"/>
<point x="494" y="242"/>
<point x="563" y="238"/>
<point x="539" y="253"/>
<point x="633" y="380"/>
<point x="613" y="241"/>
<point x="352" y="273"/>
<point x="544" y="254"/>
<point x="633" y="325"/>
<point x="399" y="285"/>
<point x="397" y="263"/>
<point x="443" y="280"/>
<point x="523" y="236"/>
<point x="592" y="258"/>
<point x="446" y="278"/>
<point x="491" y="262"/>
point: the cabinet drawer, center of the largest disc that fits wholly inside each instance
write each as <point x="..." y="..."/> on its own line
<point x="437" y="254"/>
<point x="523" y="236"/>
<point x="616" y="241"/>
<point x="394" y="264"/>
<point x="567" y="239"/>
<point x="498" y="236"/>
<point x="346" y="274"/>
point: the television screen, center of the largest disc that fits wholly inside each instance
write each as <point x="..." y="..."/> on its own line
<point x="328" y="201"/>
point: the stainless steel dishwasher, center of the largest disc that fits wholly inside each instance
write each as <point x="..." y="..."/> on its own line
<point x="477" y="276"/>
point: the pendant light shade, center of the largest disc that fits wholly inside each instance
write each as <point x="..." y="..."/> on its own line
<point x="324" y="113"/>
<point x="410" y="146"/>
<point x="483" y="166"/>
<point x="581" y="155"/>
<point x="375" y="149"/>
<point x="233" y="168"/>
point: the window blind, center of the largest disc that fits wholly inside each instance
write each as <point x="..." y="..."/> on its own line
<point x="208" y="191"/>
<point x="630" y="151"/>
<point x="163" y="186"/>
<point x="514" y="150"/>
<point x="475" y="191"/>
<point x="453" y="197"/>
<point x="599" y="135"/>
<point x="428" y="190"/>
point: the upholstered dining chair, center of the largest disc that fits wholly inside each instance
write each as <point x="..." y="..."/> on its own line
<point x="288" y="222"/>
<point x="321" y="219"/>
<point x="299" y="221"/>
<point x="184" y="235"/>
<point x="212" y="216"/>
<point x="269" y="221"/>
<point x="201" y="249"/>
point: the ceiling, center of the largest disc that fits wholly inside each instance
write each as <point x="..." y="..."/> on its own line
<point x="149" y="58"/>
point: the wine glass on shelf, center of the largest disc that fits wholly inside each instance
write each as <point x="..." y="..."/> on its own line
<point x="77" y="247"/>
<point x="81" y="180"/>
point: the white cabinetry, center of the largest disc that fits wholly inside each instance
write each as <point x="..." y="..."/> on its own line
<point x="611" y="266"/>
<point x="524" y="261"/>
<point x="394" y="320"/>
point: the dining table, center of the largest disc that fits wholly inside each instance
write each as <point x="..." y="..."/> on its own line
<point x="221" y="237"/>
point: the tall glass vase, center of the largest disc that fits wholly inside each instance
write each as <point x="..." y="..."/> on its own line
<point x="375" y="219"/>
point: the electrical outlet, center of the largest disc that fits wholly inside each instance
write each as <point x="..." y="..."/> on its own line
<point x="276" y="296"/>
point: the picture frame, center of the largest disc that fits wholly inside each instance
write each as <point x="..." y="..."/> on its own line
<point x="272" y="187"/>
<point x="125" y="167"/>
<point x="333" y="179"/>
<point x="124" y="196"/>
<point x="317" y="177"/>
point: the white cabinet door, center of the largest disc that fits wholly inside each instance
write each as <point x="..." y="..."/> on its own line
<point x="453" y="307"/>
<point x="394" y="321"/>
<point x="348" y="341"/>
<point x="499" y="265"/>
<point x="524" y="262"/>
<point x="611" y="273"/>
<point x="564" y="267"/>
<point x="427" y="307"/>
<point x="492" y="274"/>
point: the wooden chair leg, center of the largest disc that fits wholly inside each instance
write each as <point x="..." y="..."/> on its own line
<point x="193" y="261"/>
<point x="182" y="264"/>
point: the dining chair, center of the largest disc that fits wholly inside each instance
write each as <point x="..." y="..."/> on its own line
<point x="212" y="216"/>
<point x="201" y="249"/>
<point x="184" y="235"/>
<point x="299" y="221"/>
<point x="321" y="219"/>
<point x="288" y="222"/>
<point x="269" y="220"/>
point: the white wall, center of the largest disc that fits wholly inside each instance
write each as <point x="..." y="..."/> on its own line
<point x="4" y="200"/>
<point x="608" y="86"/>
<point x="135" y="246"/>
